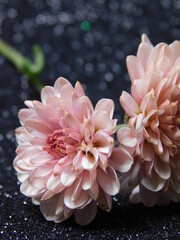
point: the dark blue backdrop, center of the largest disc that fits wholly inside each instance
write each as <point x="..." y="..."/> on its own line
<point x="86" y="41"/>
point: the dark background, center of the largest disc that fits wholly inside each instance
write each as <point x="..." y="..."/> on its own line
<point x="95" y="57"/>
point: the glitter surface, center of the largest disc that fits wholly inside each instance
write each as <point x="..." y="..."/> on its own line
<point x="95" y="55"/>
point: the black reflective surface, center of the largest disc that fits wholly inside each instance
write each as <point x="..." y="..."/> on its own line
<point x="86" y="41"/>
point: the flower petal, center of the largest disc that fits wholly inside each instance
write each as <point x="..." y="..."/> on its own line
<point x="121" y="160"/>
<point x="108" y="180"/>
<point x="129" y="104"/>
<point x="106" y="105"/>
<point x="86" y="215"/>
<point x="126" y="138"/>
<point x="135" y="68"/>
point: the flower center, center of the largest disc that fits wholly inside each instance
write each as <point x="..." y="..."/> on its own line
<point x="57" y="143"/>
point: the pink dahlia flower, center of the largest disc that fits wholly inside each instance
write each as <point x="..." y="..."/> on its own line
<point x="153" y="112"/>
<point x="63" y="153"/>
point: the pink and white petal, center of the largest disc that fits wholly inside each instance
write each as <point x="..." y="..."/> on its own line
<point x="39" y="142"/>
<point x="21" y="166"/>
<point x="37" y="129"/>
<point x="101" y="120"/>
<point x="66" y="94"/>
<point x="68" y="176"/>
<point x="129" y="104"/>
<point x="126" y="138"/>
<point x="40" y="158"/>
<point x="22" y="136"/>
<point x="70" y="121"/>
<point x="86" y="215"/>
<point x="89" y="161"/>
<point x="29" y="190"/>
<point x="86" y="181"/>
<point x="83" y="108"/>
<point x="153" y="183"/>
<point x="103" y="161"/>
<point x="138" y="90"/>
<point x="60" y="82"/>
<point x="77" y="189"/>
<point x="108" y="180"/>
<point x="47" y="195"/>
<point x="26" y="113"/>
<point x="145" y="39"/>
<point x="43" y="170"/>
<point x="175" y="47"/>
<point x="121" y="160"/>
<point x="143" y="53"/>
<point x="134" y="67"/>
<point x="79" y="89"/>
<point x="103" y="142"/>
<point x="47" y="92"/>
<point x="77" y="161"/>
<point x="106" y="105"/>
<point x="29" y="104"/>
<point x="76" y="203"/>
<point x="54" y="184"/>
<point x="22" y="176"/>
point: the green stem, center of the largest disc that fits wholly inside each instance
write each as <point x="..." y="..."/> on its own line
<point x="121" y="125"/>
<point x="23" y="64"/>
<point x="12" y="55"/>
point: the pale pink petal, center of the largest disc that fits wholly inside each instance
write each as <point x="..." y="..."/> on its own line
<point x="89" y="161"/>
<point x="70" y="121"/>
<point x="29" y="190"/>
<point x="145" y="39"/>
<point x="101" y="120"/>
<point x="36" y="128"/>
<point x="108" y="181"/>
<point x="129" y="104"/>
<point x="22" y="136"/>
<point x="143" y="53"/>
<point x="79" y="89"/>
<point x="83" y="108"/>
<point x="47" y="92"/>
<point x="175" y="46"/>
<point x="75" y="203"/>
<point x="77" y="189"/>
<point x="103" y="142"/>
<point x="121" y="160"/>
<point x="126" y="138"/>
<point x="68" y="176"/>
<point x="106" y="105"/>
<point x="60" y="82"/>
<point x="24" y="114"/>
<point x="135" y="68"/>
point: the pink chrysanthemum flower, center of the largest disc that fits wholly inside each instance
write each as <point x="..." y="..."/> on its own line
<point x="63" y="153"/>
<point x="153" y="113"/>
